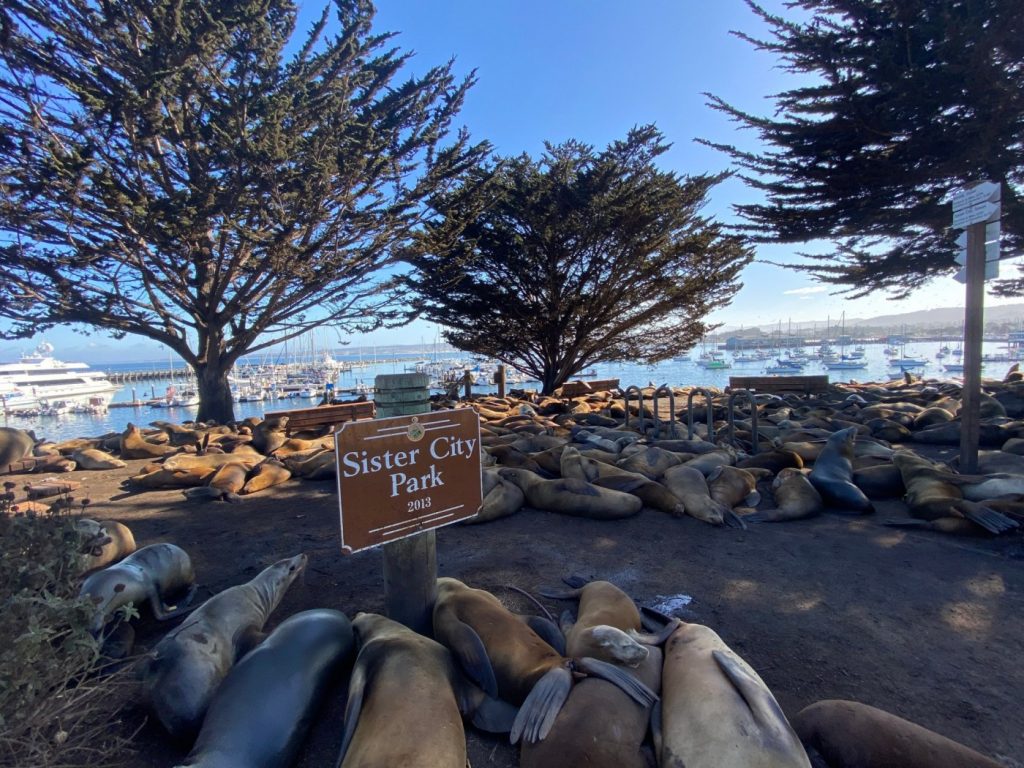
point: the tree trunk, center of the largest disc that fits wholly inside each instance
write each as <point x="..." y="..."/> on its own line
<point x="214" y="394"/>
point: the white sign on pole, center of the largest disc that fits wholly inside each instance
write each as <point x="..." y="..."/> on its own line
<point x="991" y="244"/>
<point x="991" y="272"/>
<point x="985" y="192"/>
<point x="976" y="214"/>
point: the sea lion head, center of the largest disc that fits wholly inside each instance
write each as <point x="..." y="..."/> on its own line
<point x="613" y="643"/>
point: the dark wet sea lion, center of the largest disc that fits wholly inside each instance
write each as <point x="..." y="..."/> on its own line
<point x="832" y="474"/>
<point x="189" y="663"/>
<point x="881" y="481"/>
<point x="716" y="712"/>
<point x="775" y="460"/>
<point x="260" y="714"/>
<point x="848" y="734"/>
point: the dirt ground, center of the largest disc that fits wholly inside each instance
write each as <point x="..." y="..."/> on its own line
<point x="924" y="625"/>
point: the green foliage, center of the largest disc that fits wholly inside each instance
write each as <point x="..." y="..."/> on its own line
<point x="53" y="711"/>
<point x="900" y="103"/>
<point x="580" y="257"/>
<point x="168" y="170"/>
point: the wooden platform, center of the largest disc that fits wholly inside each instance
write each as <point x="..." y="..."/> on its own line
<point x="804" y="385"/>
<point x="309" y="419"/>
<point x="579" y="388"/>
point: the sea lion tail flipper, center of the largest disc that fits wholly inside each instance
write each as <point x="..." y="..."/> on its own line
<point x="760" y="516"/>
<point x="655" y="638"/>
<point x="656" y="735"/>
<point x="762" y="704"/>
<point x="486" y="713"/>
<point x="898" y="523"/>
<point x="653" y="619"/>
<point x="732" y="520"/>
<point x="541" y="707"/>
<point x="625" y="682"/>
<point x="548" y="632"/>
<point x="989" y="519"/>
<point x="472" y="655"/>
<point x="566" y="621"/>
<point x="576" y="582"/>
<point x="164" y="612"/>
<point x="356" y="690"/>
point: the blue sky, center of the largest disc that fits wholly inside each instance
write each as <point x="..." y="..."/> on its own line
<point x="591" y="70"/>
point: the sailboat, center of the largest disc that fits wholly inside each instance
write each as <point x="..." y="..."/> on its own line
<point x="845" y="362"/>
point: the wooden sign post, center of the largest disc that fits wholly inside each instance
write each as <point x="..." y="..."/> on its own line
<point x="972" y="210"/>
<point x="400" y="476"/>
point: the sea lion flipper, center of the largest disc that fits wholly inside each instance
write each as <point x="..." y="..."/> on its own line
<point x="469" y="649"/>
<point x="989" y="519"/>
<point x="762" y="704"/>
<point x="548" y="632"/>
<point x="356" y="690"/>
<point x="655" y="637"/>
<point x="164" y="612"/>
<point x="628" y="684"/>
<point x="566" y="621"/>
<point x="486" y="713"/>
<point x="656" y="735"/>
<point x="541" y="707"/>
<point x="732" y="520"/>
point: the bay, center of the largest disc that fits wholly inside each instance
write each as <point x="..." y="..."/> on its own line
<point x="671" y="372"/>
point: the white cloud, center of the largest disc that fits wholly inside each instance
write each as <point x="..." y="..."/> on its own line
<point x="806" y="291"/>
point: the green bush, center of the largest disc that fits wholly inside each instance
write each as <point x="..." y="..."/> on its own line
<point x="55" y="708"/>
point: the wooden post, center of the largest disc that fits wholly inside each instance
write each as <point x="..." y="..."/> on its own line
<point x="499" y="379"/>
<point x="410" y="564"/>
<point x="973" y="336"/>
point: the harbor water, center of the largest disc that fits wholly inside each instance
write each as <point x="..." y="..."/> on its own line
<point x="671" y="372"/>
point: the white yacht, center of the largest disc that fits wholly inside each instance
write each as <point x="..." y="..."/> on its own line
<point x="38" y="380"/>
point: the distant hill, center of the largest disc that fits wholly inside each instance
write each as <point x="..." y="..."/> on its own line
<point x="942" y="319"/>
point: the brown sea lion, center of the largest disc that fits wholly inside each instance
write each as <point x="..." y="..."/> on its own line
<point x="599" y="726"/>
<point x="733" y="486"/>
<point x="572" y="497"/>
<point x="689" y="486"/>
<point x="795" y="499"/>
<point x="170" y="478"/>
<point x="774" y="460"/>
<point x="188" y="664"/>
<point x="848" y="734"/>
<point x="708" y="462"/>
<point x="508" y="660"/>
<point x="401" y="677"/>
<point x="15" y="445"/>
<point x="605" y="620"/>
<point x="320" y="466"/>
<point x="653" y="494"/>
<point x="265" y="475"/>
<point x="270" y="434"/>
<point x="716" y="712"/>
<point x="881" y="481"/>
<point x="650" y="462"/>
<point x="135" y="446"/>
<point x="932" y="495"/>
<point x="110" y="541"/>
<point x="501" y="498"/>
<point x="94" y="458"/>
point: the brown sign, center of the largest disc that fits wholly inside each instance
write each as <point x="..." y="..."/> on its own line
<point x="401" y="476"/>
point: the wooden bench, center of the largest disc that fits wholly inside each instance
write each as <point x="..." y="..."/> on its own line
<point x="803" y="385"/>
<point x="307" y="419"/>
<point x="578" y="388"/>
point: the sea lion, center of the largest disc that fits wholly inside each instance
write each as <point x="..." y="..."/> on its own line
<point x="165" y="477"/>
<point x="320" y="466"/>
<point x="733" y="486"/>
<point x="508" y="660"/>
<point x="604" y="621"/>
<point x="848" y="734"/>
<point x="707" y="462"/>
<point x="599" y="726"/>
<point x="135" y="446"/>
<point x="501" y="498"/>
<point x="881" y="481"/>
<point x="405" y="701"/>
<point x="650" y="462"/>
<point x="265" y="475"/>
<point x="795" y="499"/>
<point x="94" y="458"/>
<point x="15" y="445"/>
<point x="832" y="474"/>
<point x="572" y="497"/>
<point x="151" y="574"/>
<point x="261" y="712"/>
<point x="110" y="541"/>
<point x="270" y="434"/>
<point x="653" y="494"/>
<point x="689" y="486"/>
<point x="774" y="460"/>
<point x="932" y="495"/>
<point x="189" y="663"/>
<point x="716" y="712"/>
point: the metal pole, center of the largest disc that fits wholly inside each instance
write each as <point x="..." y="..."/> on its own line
<point x="973" y="336"/>
<point x="499" y="379"/>
<point x="410" y="564"/>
